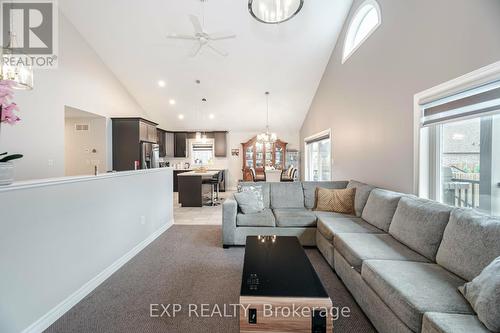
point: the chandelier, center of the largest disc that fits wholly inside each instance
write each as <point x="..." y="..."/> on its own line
<point x="15" y="67"/>
<point x="274" y="11"/>
<point x="267" y="136"/>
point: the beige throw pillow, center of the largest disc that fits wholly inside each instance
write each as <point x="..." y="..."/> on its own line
<point x="338" y="201"/>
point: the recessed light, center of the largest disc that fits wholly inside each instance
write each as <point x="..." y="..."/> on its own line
<point x="181" y="116"/>
<point x="162" y="83"/>
<point x="211" y="116"/>
<point x="172" y="102"/>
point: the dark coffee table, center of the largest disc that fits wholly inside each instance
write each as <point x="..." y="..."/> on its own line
<point x="280" y="290"/>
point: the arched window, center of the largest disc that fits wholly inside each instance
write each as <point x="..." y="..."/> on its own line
<point x="364" y="22"/>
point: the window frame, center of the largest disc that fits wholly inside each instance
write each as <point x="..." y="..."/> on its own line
<point x="425" y="150"/>
<point x="320" y="135"/>
<point x="192" y="143"/>
<point x="355" y="20"/>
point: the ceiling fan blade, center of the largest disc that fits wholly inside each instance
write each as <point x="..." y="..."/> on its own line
<point x="196" y="50"/>
<point x="177" y="36"/>
<point x="220" y="37"/>
<point x="196" y="24"/>
<point x="218" y="51"/>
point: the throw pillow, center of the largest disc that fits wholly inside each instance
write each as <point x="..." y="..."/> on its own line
<point x="250" y="199"/>
<point x="256" y="189"/>
<point x="334" y="200"/>
<point x="483" y="293"/>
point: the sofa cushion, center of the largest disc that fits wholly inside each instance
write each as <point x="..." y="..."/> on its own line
<point x="310" y="190"/>
<point x="362" y="194"/>
<point x="287" y="195"/>
<point x="356" y="248"/>
<point x="294" y="217"/>
<point x="262" y="219"/>
<point x="336" y="200"/>
<point x="330" y="224"/>
<point x="470" y="243"/>
<point x="435" y="322"/>
<point x="265" y="191"/>
<point x="419" y="224"/>
<point x="483" y="293"/>
<point x="380" y="208"/>
<point x="412" y="288"/>
<point x="250" y="202"/>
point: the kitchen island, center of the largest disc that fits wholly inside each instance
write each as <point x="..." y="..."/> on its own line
<point x="191" y="187"/>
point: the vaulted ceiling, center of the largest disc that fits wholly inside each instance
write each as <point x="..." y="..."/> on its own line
<point x="287" y="59"/>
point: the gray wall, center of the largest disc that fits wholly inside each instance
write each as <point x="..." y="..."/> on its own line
<point x="368" y="101"/>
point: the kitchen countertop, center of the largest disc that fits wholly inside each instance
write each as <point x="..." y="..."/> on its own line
<point x="196" y="173"/>
<point x="26" y="184"/>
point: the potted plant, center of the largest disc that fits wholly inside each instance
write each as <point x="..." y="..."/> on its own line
<point x="7" y="115"/>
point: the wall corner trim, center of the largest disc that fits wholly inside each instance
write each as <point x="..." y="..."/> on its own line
<point x="60" y="309"/>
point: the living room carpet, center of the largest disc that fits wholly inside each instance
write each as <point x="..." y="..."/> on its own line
<point x="185" y="265"/>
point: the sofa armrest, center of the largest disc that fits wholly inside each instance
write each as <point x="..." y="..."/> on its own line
<point x="229" y="212"/>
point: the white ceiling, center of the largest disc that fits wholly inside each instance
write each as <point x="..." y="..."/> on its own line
<point x="287" y="59"/>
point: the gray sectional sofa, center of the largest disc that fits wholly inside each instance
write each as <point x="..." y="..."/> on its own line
<point x="401" y="257"/>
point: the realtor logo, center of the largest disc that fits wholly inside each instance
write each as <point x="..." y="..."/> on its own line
<point x="29" y="31"/>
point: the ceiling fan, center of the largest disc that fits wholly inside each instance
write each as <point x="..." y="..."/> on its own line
<point x="203" y="38"/>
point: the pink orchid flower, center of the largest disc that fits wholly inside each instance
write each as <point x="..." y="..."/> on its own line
<point x="7" y="108"/>
<point x="8" y="115"/>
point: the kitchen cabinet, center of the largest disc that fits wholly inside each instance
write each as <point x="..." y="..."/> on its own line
<point x="161" y="140"/>
<point x="220" y="144"/>
<point x="152" y="134"/>
<point x="169" y="144"/>
<point x="147" y="131"/>
<point x="127" y="136"/>
<point x="176" y="179"/>
<point x="180" y="144"/>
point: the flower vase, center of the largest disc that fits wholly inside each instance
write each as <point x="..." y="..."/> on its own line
<point x="6" y="173"/>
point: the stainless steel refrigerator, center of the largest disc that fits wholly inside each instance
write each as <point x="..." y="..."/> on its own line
<point x="150" y="155"/>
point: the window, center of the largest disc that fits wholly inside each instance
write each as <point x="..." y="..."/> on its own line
<point x="463" y="135"/>
<point x="318" y="157"/>
<point x="364" y="22"/>
<point x="202" y="154"/>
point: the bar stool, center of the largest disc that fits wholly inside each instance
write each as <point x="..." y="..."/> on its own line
<point x="215" y="183"/>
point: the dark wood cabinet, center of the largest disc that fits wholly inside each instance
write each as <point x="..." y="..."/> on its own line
<point x="180" y="144"/>
<point x="161" y="140"/>
<point x="127" y="136"/>
<point x="176" y="179"/>
<point x="147" y="131"/>
<point x="259" y="156"/>
<point x="220" y="146"/>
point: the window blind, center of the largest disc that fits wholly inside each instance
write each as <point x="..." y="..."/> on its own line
<point x="325" y="136"/>
<point x="203" y="147"/>
<point x="474" y="102"/>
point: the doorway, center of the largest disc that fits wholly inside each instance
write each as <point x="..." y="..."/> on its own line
<point x="84" y="142"/>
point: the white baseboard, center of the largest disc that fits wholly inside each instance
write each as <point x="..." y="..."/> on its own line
<point x="55" y="313"/>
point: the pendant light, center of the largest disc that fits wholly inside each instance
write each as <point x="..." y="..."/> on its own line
<point x="267" y="136"/>
<point x="198" y="133"/>
<point x="274" y="11"/>
<point x="15" y="67"/>
<point x="204" y="136"/>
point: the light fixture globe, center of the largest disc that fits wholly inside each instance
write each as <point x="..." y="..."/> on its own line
<point x="274" y="11"/>
<point x="15" y="67"/>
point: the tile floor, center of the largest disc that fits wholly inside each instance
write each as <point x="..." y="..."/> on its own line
<point x="206" y="215"/>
